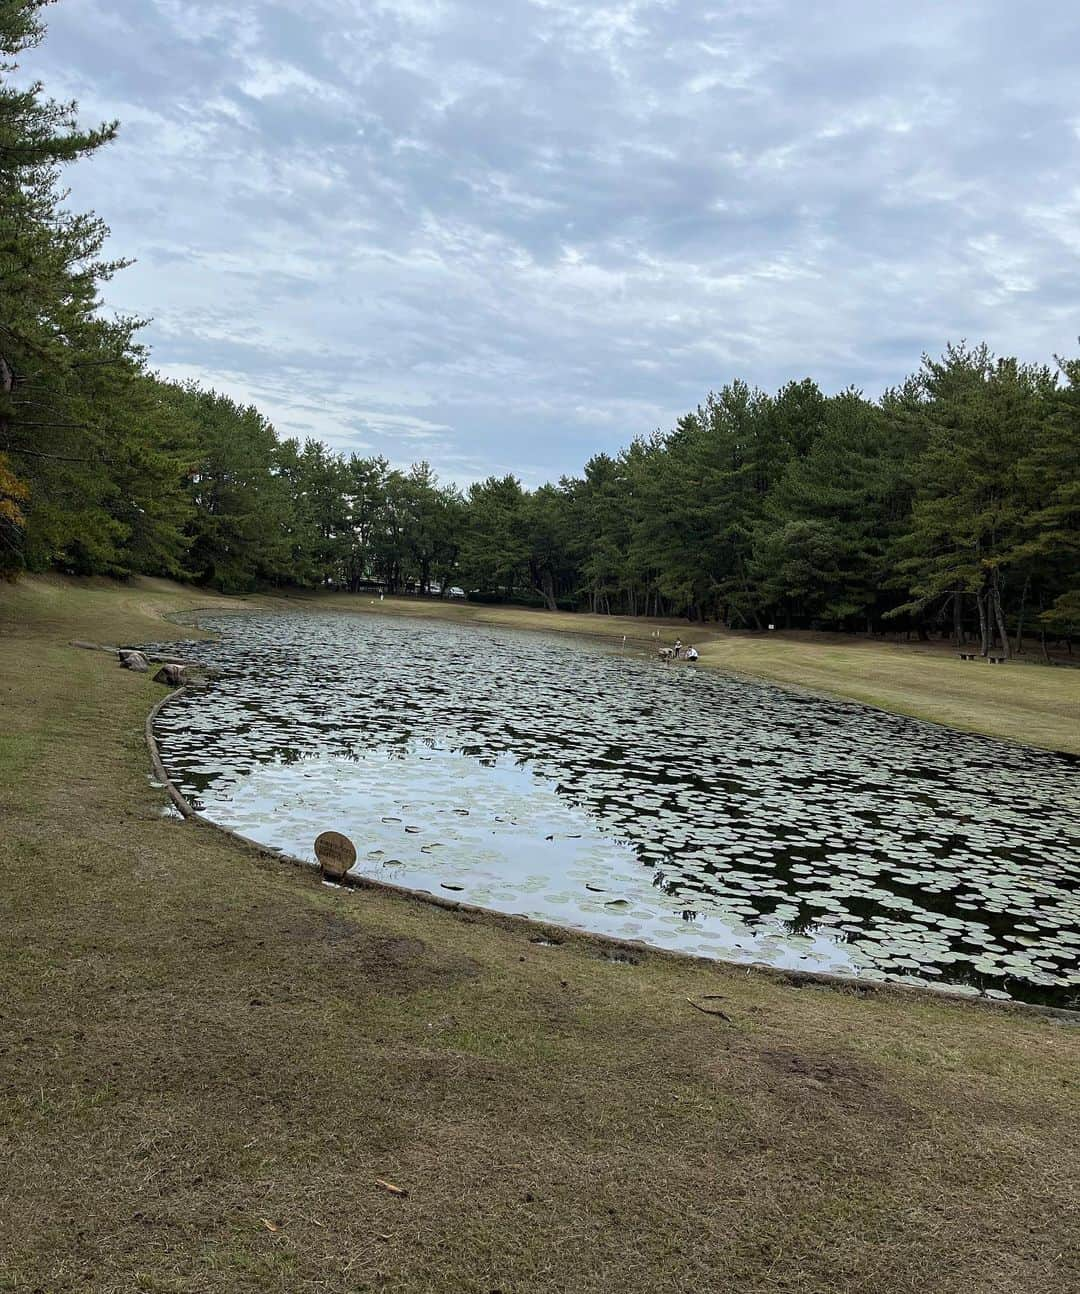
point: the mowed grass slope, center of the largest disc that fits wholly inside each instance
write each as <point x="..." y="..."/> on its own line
<point x="208" y="1060"/>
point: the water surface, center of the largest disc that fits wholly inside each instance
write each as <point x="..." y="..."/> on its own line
<point x="600" y="789"/>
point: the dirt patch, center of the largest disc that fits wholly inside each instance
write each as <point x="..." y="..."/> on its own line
<point x="395" y="962"/>
<point x="829" y="1081"/>
<point x="410" y="964"/>
<point x="320" y="928"/>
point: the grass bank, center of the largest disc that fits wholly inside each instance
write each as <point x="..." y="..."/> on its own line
<point x="208" y="1062"/>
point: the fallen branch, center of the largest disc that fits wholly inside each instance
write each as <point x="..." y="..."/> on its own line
<point x="709" y="1010"/>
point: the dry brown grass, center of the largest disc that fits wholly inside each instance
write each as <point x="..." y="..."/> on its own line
<point x="208" y="1059"/>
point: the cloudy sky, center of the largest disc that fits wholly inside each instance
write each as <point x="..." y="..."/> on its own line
<point x="505" y="234"/>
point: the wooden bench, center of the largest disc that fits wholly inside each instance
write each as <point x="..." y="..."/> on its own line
<point x="968" y="655"/>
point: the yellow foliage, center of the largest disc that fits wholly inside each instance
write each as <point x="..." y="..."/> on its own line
<point x="12" y="493"/>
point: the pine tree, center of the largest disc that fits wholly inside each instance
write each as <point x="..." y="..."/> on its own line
<point x="242" y="515"/>
<point x="51" y="339"/>
<point x="823" y="546"/>
<point x="1050" y="471"/>
<point x="973" y="502"/>
<point x="494" y="554"/>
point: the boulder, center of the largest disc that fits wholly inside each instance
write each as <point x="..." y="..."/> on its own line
<point x="176" y="675"/>
<point x="134" y="660"/>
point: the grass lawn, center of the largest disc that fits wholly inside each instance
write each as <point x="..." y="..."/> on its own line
<point x="208" y="1061"/>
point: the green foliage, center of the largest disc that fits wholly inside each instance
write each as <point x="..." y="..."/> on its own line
<point x="821" y="549"/>
<point x="494" y="553"/>
<point x="546" y="530"/>
<point x="957" y="491"/>
<point x="92" y="473"/>
<point x="241" y="512"/>
<point x="997" y="472"/>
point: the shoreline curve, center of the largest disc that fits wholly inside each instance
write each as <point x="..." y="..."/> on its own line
<point x="630" y="947"/>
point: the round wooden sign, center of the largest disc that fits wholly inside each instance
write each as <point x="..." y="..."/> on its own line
<point x="336" y="854"/>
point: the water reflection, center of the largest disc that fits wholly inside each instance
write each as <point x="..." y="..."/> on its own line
<point x="583" y="785"/>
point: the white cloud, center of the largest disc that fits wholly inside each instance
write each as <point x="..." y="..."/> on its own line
<point x="518" y="234"/>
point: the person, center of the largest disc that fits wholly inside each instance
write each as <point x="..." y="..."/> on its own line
<point x="691" y="653"/>
<point x="678" y="648"/>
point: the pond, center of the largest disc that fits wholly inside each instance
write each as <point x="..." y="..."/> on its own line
<point x="601" y="789"/>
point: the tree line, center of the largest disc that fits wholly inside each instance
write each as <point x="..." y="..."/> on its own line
<point x="952" y="503"/>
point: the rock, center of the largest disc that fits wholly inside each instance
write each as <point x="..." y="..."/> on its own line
<point x="134" y="660"/>
<point x="176" y="675"/>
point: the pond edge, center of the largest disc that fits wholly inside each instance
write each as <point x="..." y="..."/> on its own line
<point x="535" y="926"/>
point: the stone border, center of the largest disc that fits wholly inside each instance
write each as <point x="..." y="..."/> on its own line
<point x="630" y="948"/>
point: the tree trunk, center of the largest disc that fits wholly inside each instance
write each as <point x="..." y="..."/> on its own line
<point x="7" y="385"/>
<point x="984" y="626"/>
<point x="1020" y="617"/>
<point x="958" y="617"/>
<point x="999" y="613"/>
<point x="547" y="590"/>
<point x="1042" y="631"/>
